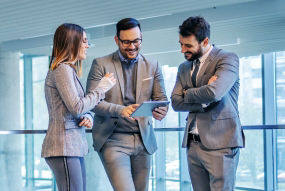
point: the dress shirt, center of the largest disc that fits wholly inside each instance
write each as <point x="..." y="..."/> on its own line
<point x="194" y="129"/>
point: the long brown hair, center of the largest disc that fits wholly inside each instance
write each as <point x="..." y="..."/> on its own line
<point x="66" y="45"/>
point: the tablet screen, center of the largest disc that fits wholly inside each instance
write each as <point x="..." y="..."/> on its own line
<point x="146" y="108"/>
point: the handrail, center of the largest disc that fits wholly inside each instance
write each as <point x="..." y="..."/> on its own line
<point x="43" y="131"/>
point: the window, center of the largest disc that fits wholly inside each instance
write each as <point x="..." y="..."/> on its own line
<point x="280" y="99"/>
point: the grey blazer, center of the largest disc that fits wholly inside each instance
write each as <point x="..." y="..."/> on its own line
<point x="66" y="103"/>
<point x="150" y="86"/>
<point x="219" y="124"/>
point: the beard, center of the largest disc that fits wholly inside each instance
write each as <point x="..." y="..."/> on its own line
<point x="194" y="56"/>
<point x="125" y="51"/>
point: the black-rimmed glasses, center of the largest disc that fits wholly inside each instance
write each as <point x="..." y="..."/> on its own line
<point x="127" y="43"/>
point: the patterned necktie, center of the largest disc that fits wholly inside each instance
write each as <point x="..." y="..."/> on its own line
<point x="196" y="69"/>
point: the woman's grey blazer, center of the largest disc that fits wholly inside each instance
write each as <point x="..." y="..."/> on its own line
<point x="67" y="103"/>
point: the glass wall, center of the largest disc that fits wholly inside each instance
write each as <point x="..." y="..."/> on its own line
<point x="250" y="173"/>
<point x="280" y="98"/>
<point x="169" y="170"/>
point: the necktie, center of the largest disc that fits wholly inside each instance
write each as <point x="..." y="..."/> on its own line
<point x="194" y="74"/>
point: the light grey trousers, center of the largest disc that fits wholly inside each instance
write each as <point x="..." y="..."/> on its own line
<point x="212" y="170"/>
<point x="69" y="172"/>
<point x="126" y="162"/>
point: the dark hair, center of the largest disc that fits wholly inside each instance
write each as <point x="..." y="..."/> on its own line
<point x="66" y="45"/>
<point x="127" y="23"/>
<point x="196" y="26"/>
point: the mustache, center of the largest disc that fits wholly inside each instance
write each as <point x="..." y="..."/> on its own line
<point x="130" y="49"/>
<point x="188" y="53"/>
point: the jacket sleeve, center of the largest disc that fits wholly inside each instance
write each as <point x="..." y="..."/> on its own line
<point x="177" y="96"/>
<point x="105" y="108"/>
<point x="227" y="72"/>
<point x="65" y="84"/>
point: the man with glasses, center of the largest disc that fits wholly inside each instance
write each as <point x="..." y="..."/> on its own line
<point x="207" y="86"/>
<point x="125" y="144"/>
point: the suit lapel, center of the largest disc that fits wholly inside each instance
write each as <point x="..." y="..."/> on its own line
<point x="203" y="68"/>
<point x="140" y="73"/>
<point x="119" y="72"/>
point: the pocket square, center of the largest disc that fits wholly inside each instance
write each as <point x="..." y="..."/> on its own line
<point x="147" y="79"/>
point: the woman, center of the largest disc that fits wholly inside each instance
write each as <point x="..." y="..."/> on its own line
<point x="65" y="143"/>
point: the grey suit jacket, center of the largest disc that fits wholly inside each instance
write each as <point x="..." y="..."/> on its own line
<point x="66" y="103"/>
<point x="219" y="124"/>
<point x="150" y="86"/>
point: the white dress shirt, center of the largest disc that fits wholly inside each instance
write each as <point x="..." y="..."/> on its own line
<point x="202" y="59"/>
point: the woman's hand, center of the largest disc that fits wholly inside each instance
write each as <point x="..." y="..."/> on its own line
<point x="107" y="82"/>
<point x="111" y="77"/>
<point x="86" y="122"/>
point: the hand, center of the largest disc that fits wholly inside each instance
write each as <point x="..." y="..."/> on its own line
<point x="111" y="77"/>
<point x="212" y="79"/>
<point x="159" y="113"/>
<point x="128" y="110"/>
<point x="85" y="122"/>
<point x="107" y="82"/>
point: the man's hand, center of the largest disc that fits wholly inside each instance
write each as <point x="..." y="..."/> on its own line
<point x="212" y="79"/>
<point x="159" y="113"/>
<point x="85" y="122"/>
<point x="128" y="110"/>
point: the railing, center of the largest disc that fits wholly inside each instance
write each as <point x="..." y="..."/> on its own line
<point x="157" y="178"/>
<point x="247" y="127"/>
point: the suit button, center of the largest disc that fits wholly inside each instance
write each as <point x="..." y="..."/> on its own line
<point x="115" y="123"/>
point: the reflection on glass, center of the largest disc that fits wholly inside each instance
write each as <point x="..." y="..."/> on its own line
<point x="11" y="158"/>
<point x="250" y="95"/>
<point x="280" y="98"/>
<point x="172" y="155"/>
<point x="172" y="186"/>
<point x="250" y="173"/>
<point x="169" y="74"/>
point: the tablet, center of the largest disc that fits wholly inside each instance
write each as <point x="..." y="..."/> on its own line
<point x="146" y="108"/>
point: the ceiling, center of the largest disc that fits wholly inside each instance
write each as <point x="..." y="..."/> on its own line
<point x="245" y="26"/>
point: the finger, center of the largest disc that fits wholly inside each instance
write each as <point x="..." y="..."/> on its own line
<point x="107" y="75"/>
<point x="156" y="113"/>
<point x="157" y="116"/>
<point x="113" y="79"/>
<point x="160" y="111"/>
<point x="89" y="125"/>
<point x="134" y="106"/>
<point x="130" y="112"/>
<point x="165" y="109"/>
<point x="86" y="122"/>
<point x="82" y="122"/>
<point x="131" y="118"/>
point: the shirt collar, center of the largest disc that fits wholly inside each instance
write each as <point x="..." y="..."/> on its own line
<point x="124" y="60"/>
<point x="205" y="56"/>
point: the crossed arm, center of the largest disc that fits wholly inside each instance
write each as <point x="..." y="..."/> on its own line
<point x="192" y="99"/>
